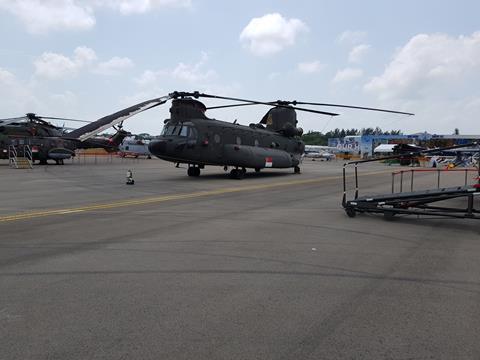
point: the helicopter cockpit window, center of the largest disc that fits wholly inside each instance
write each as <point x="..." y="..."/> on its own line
<point x="184" y="131"/>
<point x="176" y="130"/>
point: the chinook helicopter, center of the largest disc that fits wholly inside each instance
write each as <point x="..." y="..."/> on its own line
<point x="190" y="137"/>
<point x="50" y="142"/>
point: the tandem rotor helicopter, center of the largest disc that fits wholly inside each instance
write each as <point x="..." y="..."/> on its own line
<point x="190" y="137"/>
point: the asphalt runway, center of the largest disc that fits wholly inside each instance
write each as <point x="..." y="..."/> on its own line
<point x="268" y="267"/>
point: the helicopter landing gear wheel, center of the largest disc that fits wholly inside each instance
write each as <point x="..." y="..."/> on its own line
<point x="296" y="169"/>
<point x="350" y="212"/>
<point x="193" y="171"/>
<point x="59" y="162"/>
<point x="43" y="162"/>
<point x="237" y="173"/>
<point x="257" y="170"/>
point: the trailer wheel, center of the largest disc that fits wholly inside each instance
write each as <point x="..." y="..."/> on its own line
<point x="350" y="212"/>
<point x="388" y="215"/>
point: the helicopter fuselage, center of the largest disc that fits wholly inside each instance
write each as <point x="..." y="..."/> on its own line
<point x="206" y="141"/>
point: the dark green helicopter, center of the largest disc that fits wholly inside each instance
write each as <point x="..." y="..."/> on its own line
<point x="50" y="142"/>
<point x="190" y="137"/>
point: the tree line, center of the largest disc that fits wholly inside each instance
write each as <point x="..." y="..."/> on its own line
<point x="318" y="138"/>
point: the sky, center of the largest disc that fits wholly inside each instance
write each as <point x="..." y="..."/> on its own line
<point x="88" y="58"/>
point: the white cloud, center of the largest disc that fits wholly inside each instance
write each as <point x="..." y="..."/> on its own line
<point x="84" y="55"/>
<point x="6" y="77"/>
<point x="310" y="67"/>
<point x="271" y="33"/>
<point x="141" y="6"/>
<point x="190" y="73"/>
<point x="273" y="75"/>
<point x="150" y="77"/>
<point x="358" y="52"/>
<point x="352" y="37"/>
<point x="41" y="16"/>
<point x="347" y="74"/>
<point x="114" y="66"/>
<point x="193" y="72"/>
<point x="17" y="96"/>
<point x="65" y="99"/>
<point x="57" y="66"/>
<point x="430" y="64"/>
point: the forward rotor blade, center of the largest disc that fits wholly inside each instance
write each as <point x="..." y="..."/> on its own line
<point x="253" y="102"/>
<point x="66" y="119"/>
<point x="350" y="107"/>
<point x="108" y="121"/>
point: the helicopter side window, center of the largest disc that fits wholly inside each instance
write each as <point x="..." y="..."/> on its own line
<point x="192" y="134"/>
<point x="184" y="131"/>
<point x="169" y="130"/>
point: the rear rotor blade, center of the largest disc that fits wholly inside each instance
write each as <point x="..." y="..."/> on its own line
<point x="253" y="102"/>
<point x="350" y="107"/>
<point x="294" y="103"/>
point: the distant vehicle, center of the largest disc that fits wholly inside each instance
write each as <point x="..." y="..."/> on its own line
<point x="320" y="152"/>
<point x="134" y="148"/>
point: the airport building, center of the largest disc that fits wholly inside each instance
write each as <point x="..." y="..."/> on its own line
<point x="364" y="145"/>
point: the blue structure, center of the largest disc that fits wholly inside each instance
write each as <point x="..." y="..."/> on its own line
<point x="363" y="145"/>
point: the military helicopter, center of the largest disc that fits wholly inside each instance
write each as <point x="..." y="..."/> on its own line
<point x="48" y="141"/>
<point x="190" y="137"/>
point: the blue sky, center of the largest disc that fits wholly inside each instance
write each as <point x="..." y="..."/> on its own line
<point x="89" y="58"/>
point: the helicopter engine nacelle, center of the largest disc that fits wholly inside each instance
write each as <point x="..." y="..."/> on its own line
<point x="284" y="120"/>
<point x="187" y="108"/>
<point x="291" y="131"/>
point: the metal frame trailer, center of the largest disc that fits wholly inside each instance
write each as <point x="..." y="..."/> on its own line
<point x="414" y="202"/>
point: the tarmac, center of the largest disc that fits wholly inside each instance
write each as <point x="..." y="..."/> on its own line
<point x="268" y="267"/>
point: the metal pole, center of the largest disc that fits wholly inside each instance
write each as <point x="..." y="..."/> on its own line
<point x="401" y="181"/>
<point x="470" y="205"/>
<point x="356" y="181"/>
<point x="438" y="178"/>
<point x="411" y="181"/>
<point x="344" y="200"/>
<point x="478" y="166"/>
<point x="466" y="176"/>
<point x="393" y="182"/>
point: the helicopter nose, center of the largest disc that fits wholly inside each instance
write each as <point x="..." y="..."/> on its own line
<point x="158" y="147"/>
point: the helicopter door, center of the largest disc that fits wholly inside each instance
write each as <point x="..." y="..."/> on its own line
<point x="217" y="140"/>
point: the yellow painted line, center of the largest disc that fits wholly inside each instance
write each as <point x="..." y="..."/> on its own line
<point x="164" y="198"/>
